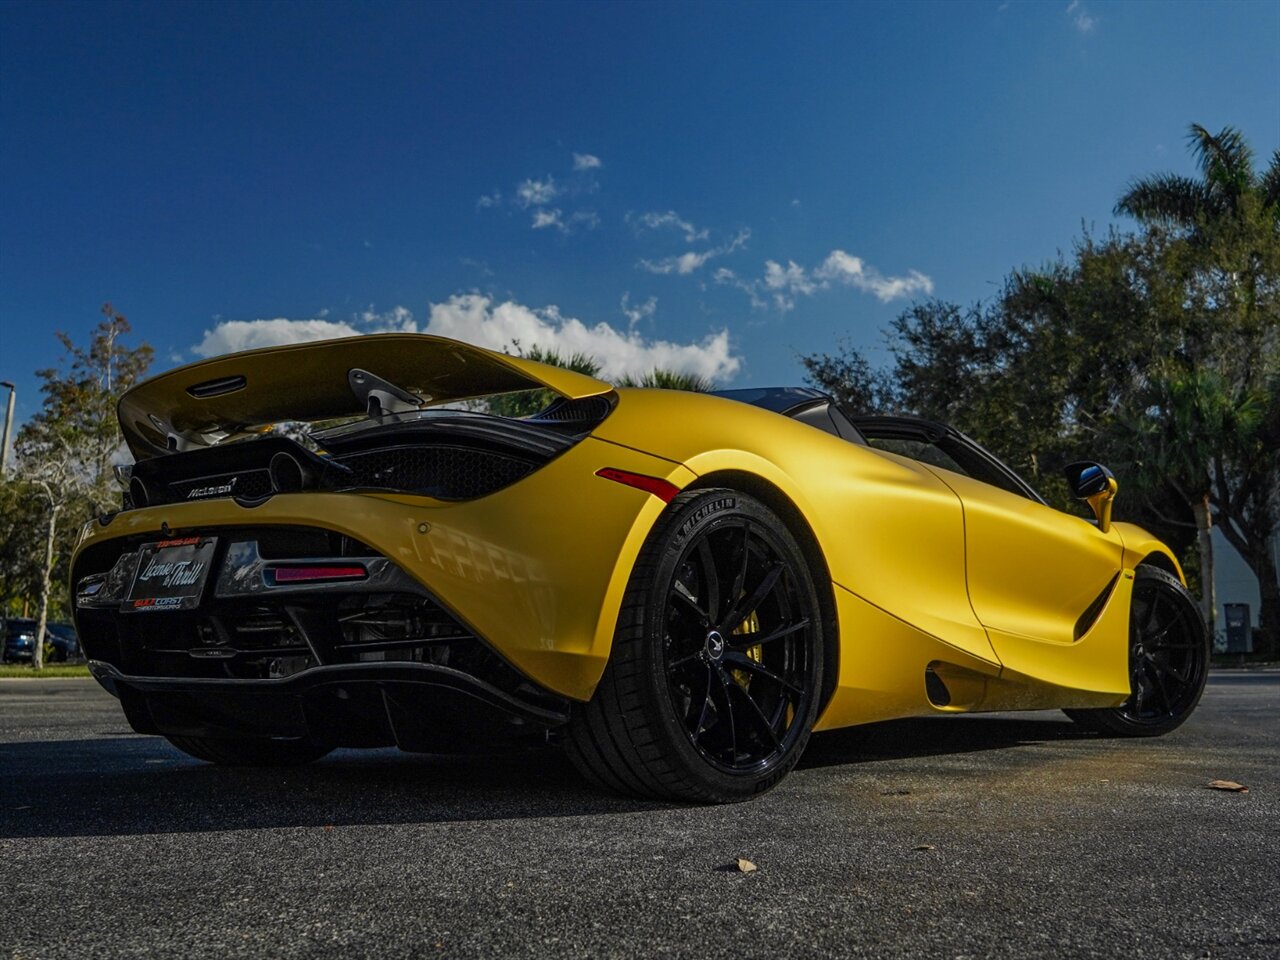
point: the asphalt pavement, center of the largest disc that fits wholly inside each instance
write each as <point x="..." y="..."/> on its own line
<point x="998" y="836"/>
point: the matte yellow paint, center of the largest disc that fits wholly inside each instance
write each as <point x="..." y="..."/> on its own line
<point x="928" y="569"/>
<point x="890" y="530"/>
<point x="1139" y="545"/>
<point x="551" y="612"/>
<point x="882" y="666"/>
<point x="1101" y="502"/>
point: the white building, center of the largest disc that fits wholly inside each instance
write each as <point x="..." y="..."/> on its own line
<point x="1234" y="582"/>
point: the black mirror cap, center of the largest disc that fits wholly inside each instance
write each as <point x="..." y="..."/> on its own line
<point x="1086" y="478"/>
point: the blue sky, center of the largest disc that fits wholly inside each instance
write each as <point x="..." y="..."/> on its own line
<point x="719" y="187"/>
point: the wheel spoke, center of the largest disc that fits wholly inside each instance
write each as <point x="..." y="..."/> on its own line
<point x="740" y="610"/>
<point x="744" y="662"/>
<point x="710" y="579"/>
<point x="752" y="640"/>
<point x="691" y="605"/>
<point x="726" y="718"/>
<point x="706" y="704"/>
<point x="740" y="579"/>
<point x="1150" y="616"/>
<point x="681" y="661"/>
<point x="754" y="714"/>
<point x="1160" y="688"/>
<point x="1167" y="668"/>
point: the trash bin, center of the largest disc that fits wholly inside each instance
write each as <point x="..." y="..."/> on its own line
<point x="1239" y="633"/>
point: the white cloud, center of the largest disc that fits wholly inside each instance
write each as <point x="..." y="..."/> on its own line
<point x="537" y="193"/>
<point x="232" y="336"/>
<point x="654" y="220"/>
<point x="548" y="218"/>
<point x="489" y="200"/>
<point x="397" y="318"/>
<point x="844" y="268"/>
<point x="787" y="282"/>
<point x="587" y="218"/>
<point x="687" y="263"/>
<point x="477" y="319"/>
<point x="586" y="161"/>
<point x="783" y="284"/>
<point x="636" y="312"/>
<point x="1083" y="20"/>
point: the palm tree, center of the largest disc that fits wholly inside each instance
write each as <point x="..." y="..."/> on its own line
<point x="1228" y="182"/>
<point x="528" y="402"/>
<point x="1223" y="231"/>
<point x="664" y="379"/>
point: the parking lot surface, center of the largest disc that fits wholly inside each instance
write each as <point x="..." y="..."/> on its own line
<point x="997" y="836"/>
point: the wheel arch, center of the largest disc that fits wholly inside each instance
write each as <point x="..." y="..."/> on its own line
<point x="780" y="503"/>
<point x="1163" y="561"/>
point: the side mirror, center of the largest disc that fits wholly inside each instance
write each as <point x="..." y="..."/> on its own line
<point x="1094" y="484"/>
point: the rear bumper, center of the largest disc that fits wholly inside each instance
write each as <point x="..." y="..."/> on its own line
<point x="536" y="570"/>
<point x="415" y="706"/>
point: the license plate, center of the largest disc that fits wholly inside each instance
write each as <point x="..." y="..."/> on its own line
<point x="171" y="574"/>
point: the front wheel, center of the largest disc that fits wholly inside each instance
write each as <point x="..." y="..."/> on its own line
<point x="715" y="677"/>
<point x="1168" y="660"/>
<point x="247" y="752"/>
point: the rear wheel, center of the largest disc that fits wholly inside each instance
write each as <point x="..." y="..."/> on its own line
<point x="247" y="752"/>
<point x="1168" y="660"/>
<point x="714" y="681"/>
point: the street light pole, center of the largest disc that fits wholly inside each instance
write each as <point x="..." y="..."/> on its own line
<point x="8" y="423"/>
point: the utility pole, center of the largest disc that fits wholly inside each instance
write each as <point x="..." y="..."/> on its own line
<point x="8" y="424"/>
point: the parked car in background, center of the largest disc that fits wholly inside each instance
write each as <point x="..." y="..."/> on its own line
<point x="18" y="635"/>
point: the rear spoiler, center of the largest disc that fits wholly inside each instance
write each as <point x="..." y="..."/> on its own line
<point x="203" y="403"/>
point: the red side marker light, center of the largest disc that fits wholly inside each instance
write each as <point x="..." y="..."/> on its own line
<point x="316" y="574"/>
<point x="664" y="490"/>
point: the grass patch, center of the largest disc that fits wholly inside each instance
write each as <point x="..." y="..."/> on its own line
<point x="52" y="671"/>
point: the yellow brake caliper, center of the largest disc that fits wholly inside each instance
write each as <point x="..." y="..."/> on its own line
<point x="756" y="653"/>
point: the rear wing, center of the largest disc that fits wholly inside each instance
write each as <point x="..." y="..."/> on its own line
<point x="206" y="402"/>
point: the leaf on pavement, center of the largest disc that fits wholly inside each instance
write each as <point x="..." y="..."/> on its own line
<point x="1229" y="785"/>
<point x="746" y="866"/>
<point x="924" y="846"/>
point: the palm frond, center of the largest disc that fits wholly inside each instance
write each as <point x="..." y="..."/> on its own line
<point x="668" y="380"/>
<point x="1269" y="185"/>
<point x="1165" y="198"/>
<point x="1225" y="159"/>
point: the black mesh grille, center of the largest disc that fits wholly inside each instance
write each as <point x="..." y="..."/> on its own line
<point x="585" y="410"/>
<point x="447" y="473"/>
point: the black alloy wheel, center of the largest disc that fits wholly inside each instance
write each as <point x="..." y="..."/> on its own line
<point x="1168" y="660"/>
<point x="716" y="674"/>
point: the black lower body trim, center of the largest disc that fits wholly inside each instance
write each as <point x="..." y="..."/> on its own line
<point x="418" y="707"/>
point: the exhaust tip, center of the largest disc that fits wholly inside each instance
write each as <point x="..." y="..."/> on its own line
<point x="287" y="474"/>
<point x="139" y="495"/>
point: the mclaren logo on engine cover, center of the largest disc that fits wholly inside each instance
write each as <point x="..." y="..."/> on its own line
<point x="219" y="490"/>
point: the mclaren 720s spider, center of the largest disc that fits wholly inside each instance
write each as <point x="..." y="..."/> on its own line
<point x="343" y="544"/>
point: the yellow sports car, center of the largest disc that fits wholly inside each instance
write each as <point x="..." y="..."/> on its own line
<point x="340" y="544"/>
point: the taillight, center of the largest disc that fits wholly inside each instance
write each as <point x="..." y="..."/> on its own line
<point x="317" y="574"/>
<point x="664" y="490"/>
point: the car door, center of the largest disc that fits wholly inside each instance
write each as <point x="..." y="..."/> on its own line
<point x="1037" y="577"/>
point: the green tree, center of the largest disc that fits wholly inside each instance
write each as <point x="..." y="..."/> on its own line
<point x="1156" y="352"/>
<point x="525" y="403"/>
<point x="66" y="451"/>
<point x="663" y="379"/>
<point x="1216" y="389"/>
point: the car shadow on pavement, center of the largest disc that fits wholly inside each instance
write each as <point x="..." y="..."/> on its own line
<point x="128" y="784"/>
<point x="138" y="785"/>
<point x="936" y="736"/>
